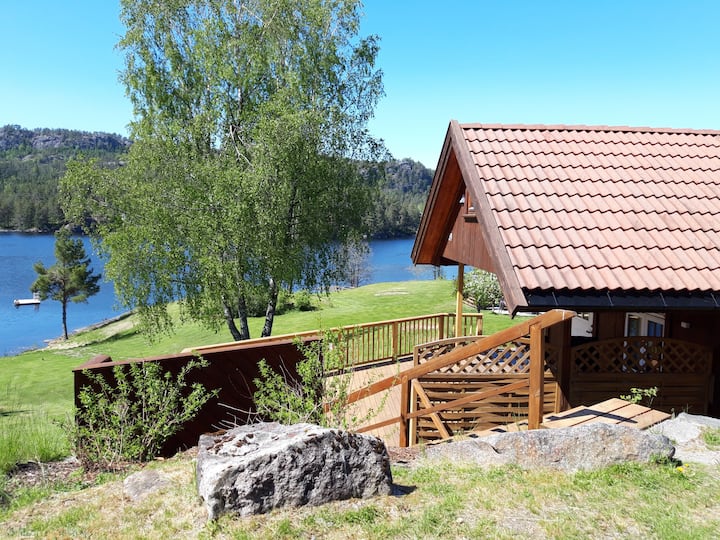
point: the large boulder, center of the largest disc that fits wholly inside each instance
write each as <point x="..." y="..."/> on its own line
<point x="255" y="468"/>
<point x="568" y="449"/>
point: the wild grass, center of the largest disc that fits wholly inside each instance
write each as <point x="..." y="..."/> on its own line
<point x="711" y="437"/>
<point x="442" y="500"/>
<point x="28" y="435"/>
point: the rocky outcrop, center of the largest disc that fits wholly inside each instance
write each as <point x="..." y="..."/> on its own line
<point x="568" y="449"/>
<point x="12" y="137"/>
<point x="255" y="468"/>
<point x="686" y="433"/>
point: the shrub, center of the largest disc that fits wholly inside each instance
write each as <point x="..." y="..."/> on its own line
<point x="637" y="395"/>
<point x="483" y="287"/>
<point x="319" y="393"/>
<point x="284" y="302"/>
<point x="256" y="302"/>
<point x="132" y="419"/>
<point x="303" y="301"/>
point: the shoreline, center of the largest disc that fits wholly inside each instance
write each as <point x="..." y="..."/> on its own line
<point x="88" y="328"/>
<point x="58" y="342"/>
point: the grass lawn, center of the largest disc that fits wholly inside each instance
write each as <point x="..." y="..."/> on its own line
<point x="36" y="387"/>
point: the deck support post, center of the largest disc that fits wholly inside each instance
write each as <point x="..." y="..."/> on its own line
<point x="404" y="410"/>
<point x="459" y="300"/>
<point x="536" y="396"/>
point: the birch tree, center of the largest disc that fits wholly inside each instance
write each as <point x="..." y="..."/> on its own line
<point x="250" y="123"/>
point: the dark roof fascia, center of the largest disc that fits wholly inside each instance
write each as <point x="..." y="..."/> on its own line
<point x="509" y="283"/>
<point x="622" y="300"/>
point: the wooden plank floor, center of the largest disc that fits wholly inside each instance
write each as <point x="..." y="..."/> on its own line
<point x="611" y="411"/>
<point x="379" y="407"/>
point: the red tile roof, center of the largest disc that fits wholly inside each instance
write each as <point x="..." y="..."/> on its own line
<point x="595" y="208"/>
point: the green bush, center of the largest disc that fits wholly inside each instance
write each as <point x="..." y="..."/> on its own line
<point x="131" y="419"/>
<point x="284" y="303"/>
<point x="483" y="288"/>
<point x="638" y="395"/>
<point x="256" y="302"/>
<point x="323" y="382"/>
<point x="303" y="301"/>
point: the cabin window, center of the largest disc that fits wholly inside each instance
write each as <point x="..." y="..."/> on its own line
<point x="645" y="324"/>
<point x="468" y="208"/>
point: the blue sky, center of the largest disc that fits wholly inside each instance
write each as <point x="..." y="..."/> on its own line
<point x="639" y="63"/>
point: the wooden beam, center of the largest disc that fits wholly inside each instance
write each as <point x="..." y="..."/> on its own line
<point x="459" y="300"/>
<point x="378" y="425"/>
<point x="404" y="410"/>
<point x="428" y="405"/>
<point x="537" y="370"/>
<point x="469" y="398"/>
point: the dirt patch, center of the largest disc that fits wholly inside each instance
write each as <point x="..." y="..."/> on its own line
<point x="108" y="328"/>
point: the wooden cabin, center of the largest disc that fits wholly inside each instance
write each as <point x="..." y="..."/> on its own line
<point x="619" y="224"/>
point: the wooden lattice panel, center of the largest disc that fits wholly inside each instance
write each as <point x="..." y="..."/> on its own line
<point x="511" y="357"/>
<point x="642" y="355"/>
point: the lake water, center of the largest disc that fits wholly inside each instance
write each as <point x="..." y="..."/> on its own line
<point x="27" y="327"/>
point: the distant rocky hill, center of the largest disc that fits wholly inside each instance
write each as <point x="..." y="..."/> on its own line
<point x="21" y="139"/>
<point x="32" y="161"/>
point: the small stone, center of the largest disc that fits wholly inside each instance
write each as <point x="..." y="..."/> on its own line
<point x="139" y="485"/>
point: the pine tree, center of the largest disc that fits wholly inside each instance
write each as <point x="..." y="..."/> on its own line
<point x="70" y="278"/>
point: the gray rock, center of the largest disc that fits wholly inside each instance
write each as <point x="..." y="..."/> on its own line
<point x="685" y="428"/>
<point x="568" y="449"/>
<point x="139" y="485"/>
<point x="685" y="431"/>
<point x="255" y="468"/>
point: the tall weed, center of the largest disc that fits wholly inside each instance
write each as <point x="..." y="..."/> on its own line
<point x="30" y="436"/>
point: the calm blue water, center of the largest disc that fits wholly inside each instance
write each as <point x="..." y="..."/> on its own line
<point x="28" y="327"/>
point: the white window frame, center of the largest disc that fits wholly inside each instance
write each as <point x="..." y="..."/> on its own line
<point x="645" y="319"/>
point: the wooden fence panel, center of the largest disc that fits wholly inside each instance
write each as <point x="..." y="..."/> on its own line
<point x="681" y="371"/>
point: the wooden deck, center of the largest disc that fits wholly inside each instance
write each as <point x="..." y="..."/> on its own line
<point x="611" y="411"/>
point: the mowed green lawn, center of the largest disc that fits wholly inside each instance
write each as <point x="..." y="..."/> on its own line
<point x="40" y="382"/>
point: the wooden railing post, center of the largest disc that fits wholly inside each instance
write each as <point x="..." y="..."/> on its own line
<point x="404" y="410"/>
<point x="395" y="340"/>
<point x="537" y="376"/>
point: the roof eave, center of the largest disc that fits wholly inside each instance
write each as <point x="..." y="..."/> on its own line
<point x="590" y="300"/>
<point x="509" y="283"/>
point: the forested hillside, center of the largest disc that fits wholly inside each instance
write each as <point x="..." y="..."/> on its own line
<point x="404" y="187"/>
<point x="31" y="161"/>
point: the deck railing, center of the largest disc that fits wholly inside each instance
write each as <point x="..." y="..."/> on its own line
<point x="533" y="383"/>
<point x="374" y="342"/>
